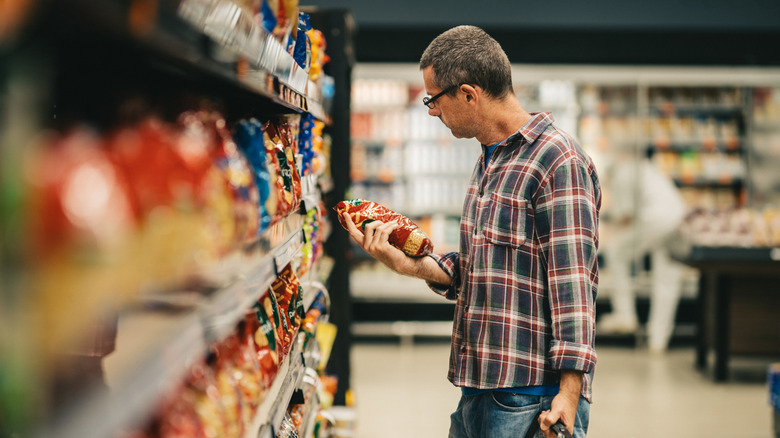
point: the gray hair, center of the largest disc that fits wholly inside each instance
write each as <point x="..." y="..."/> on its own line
<point x="468" y="55"/>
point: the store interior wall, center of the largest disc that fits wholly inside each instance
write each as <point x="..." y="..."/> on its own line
<point x="665" y="32"/>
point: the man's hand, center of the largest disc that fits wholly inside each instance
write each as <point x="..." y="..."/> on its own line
<point x="374" y="240"/>
<point x="564" y="405"/>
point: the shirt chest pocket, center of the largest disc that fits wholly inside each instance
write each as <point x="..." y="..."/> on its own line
<point x="507" y="221"/>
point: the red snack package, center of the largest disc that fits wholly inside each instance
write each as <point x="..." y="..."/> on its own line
<point x="289" y="294"/>
<point x="265" y="338"/>
<point x="288" y="182"/>
<point x="409" y="238"/>
<point x="196" y="409"/>
<point x="278" y="321"/>
<point x="226" y="373"/>
<point x="288" y="134"/>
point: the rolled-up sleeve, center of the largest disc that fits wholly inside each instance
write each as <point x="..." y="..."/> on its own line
<point x="568" y="213"/>
<point x="449" y="262"/>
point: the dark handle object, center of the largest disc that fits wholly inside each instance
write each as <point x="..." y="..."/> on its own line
<point x="559" y="429"/>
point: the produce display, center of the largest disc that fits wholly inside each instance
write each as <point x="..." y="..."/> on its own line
<point x="408" y="237"/>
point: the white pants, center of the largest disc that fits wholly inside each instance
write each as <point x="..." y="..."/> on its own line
<point x="627" y="247"/>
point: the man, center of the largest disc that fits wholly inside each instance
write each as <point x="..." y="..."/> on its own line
<point x="525" y="276"/>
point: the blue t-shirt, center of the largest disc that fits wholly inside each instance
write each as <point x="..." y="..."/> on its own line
<point x="525" y="390"/>
<point x="488" y="152"/>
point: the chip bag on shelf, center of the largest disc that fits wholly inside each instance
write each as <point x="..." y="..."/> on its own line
<point x="289" y="295"/>
<point x="249" y="137"/>
<point x="265" y="339"/>
<point x="408" y="237"/>
<point x="195" y="409"/>
<point x="268" y="310"/>
<point x="288" y="185"/>
<point x="166" y="172"/>
<point x="318" y="56"/>
<point x="238" y="175"/>
<point x="81" y="234"/>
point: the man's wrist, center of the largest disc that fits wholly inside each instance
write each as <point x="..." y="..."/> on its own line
<point x="571" y="383"/>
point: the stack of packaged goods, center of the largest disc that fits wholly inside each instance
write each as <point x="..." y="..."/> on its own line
<point x="151" y="206"/>
<point x="164" y="206"/>
<point x="221" y="395"/>
<point x="739" y="228"/>
<point x="268" y="35"/>
<point x="128" y="213"/>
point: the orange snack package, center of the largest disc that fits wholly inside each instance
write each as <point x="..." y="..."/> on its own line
<point x="409" y="238"/>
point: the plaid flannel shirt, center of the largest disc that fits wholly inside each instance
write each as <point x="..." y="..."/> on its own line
<point x="526" y="275"/>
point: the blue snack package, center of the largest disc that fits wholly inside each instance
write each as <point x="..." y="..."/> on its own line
<point x="248" y="135"/>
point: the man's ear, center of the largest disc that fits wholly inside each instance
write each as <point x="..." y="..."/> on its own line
<point x="470" y="92"/>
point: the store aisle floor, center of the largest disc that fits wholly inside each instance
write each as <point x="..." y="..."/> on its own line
<point x="402" y="390"/>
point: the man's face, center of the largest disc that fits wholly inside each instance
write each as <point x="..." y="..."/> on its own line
<point x="449" y="109"/>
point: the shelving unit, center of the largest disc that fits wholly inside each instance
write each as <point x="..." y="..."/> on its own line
<point x="696" y="123"/>
<point x="86" y="59"/>
<point x="697" y="136"/>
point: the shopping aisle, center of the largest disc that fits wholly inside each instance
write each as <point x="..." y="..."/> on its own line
<point x="401" y="390"/>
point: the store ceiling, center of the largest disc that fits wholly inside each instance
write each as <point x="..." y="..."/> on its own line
<point x="671" y="32"/>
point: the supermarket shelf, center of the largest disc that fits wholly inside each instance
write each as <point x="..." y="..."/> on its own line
<point x="179" y="341"/>
<point x="701" y="110"/>
<point x="146" y="372"/>
<point x="726" y="182"/>
<point x="316" y="109"/>
<point x="699" y="254"/>
<point x="386" y="286"/>
<point x="698" y="146"/>
<point x="292" y="372"/>
<point x="311" y="290"/>
<point x="221" y="314"/>
<point x="311" y="195"/>
<point x="177" y="38"/>
<point x="403" y="329"/>
<point x="271" y="411"/>
<point x="311" y="417"/>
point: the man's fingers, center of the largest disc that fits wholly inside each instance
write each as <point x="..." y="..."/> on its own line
<point x="352" y="229"/>
<point x="546" y="420"/>
<point x="374" y="233"/>
<point x="378" y="234"/>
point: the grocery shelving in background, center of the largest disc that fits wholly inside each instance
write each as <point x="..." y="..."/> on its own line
<point x="705" y="128"/>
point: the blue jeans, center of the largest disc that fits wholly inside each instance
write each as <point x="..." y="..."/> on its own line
<point x="497" y="414"/>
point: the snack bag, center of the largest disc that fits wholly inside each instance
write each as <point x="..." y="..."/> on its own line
<point x="238" y="175"/>
<point x="278" y="143"/>
<point x="195" y="409"/>
<point x="409" y="238"/>
<point x="288" y="129"/>
<point x="289" y="295"/>
<point x="248" y="136"/>
<point x="167" y="167"/>
<point x="80" y="234"/>
<point x="302" y="49"/>
<point x="274" y="314"/>
<point x="226" y="373"/>
<point x="318" y="56"/>
<point x="265" y="342"/>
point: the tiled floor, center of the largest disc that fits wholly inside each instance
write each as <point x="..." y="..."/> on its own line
<point x="402" y="391"/>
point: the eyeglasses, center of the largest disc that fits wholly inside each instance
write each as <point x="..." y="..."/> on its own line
<point x="430" y="102"/>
